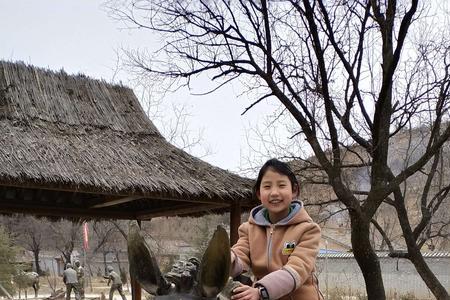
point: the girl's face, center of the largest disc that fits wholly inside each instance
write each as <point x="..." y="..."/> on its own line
<point x="276" y="194"/>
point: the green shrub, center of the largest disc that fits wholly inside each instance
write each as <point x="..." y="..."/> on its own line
<point x="7" y="257"/>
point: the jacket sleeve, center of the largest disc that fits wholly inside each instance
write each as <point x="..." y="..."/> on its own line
<point x="299" y="266"/>
<point x="240" y="252"/>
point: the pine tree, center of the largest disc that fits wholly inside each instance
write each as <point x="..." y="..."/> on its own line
<point x="7" y="256"/>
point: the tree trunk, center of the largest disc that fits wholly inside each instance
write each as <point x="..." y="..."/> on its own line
<point x="416" y="257"/>
<point x="428" y="276"/>
<point x="366" y="257"/>
<point x="116" y="254"/>
<point x="104" y="262"/>
<point x="36" y="262"/>
<point x="67" y="257"/>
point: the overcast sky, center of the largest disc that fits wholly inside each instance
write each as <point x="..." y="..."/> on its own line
<point x="79" y="37"/>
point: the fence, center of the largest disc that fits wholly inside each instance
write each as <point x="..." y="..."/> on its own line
<point x="341" y="271"/>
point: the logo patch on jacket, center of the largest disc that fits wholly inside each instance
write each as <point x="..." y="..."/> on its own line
<point x="288" y="248"/>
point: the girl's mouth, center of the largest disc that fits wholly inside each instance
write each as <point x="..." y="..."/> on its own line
<point x="275" y="201"/>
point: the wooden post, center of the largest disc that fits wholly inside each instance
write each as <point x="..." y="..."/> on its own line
<point x="235" y="221"/>
<point x="136" y="291"/>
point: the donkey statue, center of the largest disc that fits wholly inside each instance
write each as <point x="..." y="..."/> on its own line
<point x="25" y="280"/>
<point x="193" y="279"/>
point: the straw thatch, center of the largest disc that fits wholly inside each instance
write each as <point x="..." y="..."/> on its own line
<point x="74" y="145"/>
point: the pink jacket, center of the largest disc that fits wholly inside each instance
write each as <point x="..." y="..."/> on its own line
<point x="281" y="256"/>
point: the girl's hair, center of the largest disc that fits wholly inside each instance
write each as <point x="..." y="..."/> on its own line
<point x="279" y="167"/>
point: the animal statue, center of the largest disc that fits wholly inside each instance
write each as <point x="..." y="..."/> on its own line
<point x="25" y="280"/>
<point x="192" y="279"/>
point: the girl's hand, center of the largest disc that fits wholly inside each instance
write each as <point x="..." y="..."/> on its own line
<point x="245" y="292"/>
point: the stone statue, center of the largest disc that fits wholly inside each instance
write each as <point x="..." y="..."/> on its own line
<point x="191" y="279"/>
<point x="25" y="280"/>
<point x="80" y="276"/>
<point x="71" y="282"/>
<point x="183" y="274"/>
<point x="116" y="283"/>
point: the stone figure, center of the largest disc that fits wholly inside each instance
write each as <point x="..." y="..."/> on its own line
<point x="183" y="274"/>
<point x="71" y="282"/>
<point x="80" y="277"/>
<point x="116" y="283"/>
<point x="192" y="279"/>
<point x="25" y="280"/>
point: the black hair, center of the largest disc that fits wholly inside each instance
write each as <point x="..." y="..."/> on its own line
<point x="279" y="167"/>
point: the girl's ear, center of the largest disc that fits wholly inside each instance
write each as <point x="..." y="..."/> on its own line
<point x="258" y="195"/>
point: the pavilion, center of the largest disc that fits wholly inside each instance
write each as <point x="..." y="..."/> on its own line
<point x="79" y="148"/>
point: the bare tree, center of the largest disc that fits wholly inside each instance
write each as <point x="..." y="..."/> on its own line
<point x="67" y="235"/>
<point x="103" y="236"/>
<point x="173" y="121"/>
<point x="348" y="72"/>
<point x="425" y="194"/>
<point x="109" y="238"/>
<point x="32" y="234"/>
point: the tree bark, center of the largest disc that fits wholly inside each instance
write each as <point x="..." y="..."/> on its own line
<point x="367" y="258"/>
<point x="416" y="257"/>
<point x="36" y="261"/>
<point x="104" y="262"/>
<point x="427" y="275"/>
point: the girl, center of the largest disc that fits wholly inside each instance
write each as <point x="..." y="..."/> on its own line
<point x="279" y="242"/>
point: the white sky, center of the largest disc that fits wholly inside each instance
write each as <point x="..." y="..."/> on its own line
<point x="79" y="37"/>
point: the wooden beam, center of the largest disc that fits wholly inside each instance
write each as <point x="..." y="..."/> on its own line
<point x="117" y="201"/>
<point x="136" y="290"/>
<point x="235" y="221"/>
<point x="65" y="212"/>
<point x="56" y="187"/>
<point x="101" y="192"/>
<point x="182" y="209"/>
<point x="159" y="197"/>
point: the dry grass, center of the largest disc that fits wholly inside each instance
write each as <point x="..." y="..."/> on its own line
<point x="349" y="294"/>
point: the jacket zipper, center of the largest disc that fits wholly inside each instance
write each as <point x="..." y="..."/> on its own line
<point x="269" y="246"/>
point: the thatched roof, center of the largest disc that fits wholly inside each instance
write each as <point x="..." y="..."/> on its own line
<point x="85" y="147"/>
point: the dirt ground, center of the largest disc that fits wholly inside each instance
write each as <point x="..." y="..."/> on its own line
<point x="94" y="287"/>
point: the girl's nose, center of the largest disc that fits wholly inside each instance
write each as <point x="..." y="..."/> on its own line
<point x="274" y="191"/>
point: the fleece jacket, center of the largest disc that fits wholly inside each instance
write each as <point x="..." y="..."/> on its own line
<point x="281" y="256"/>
